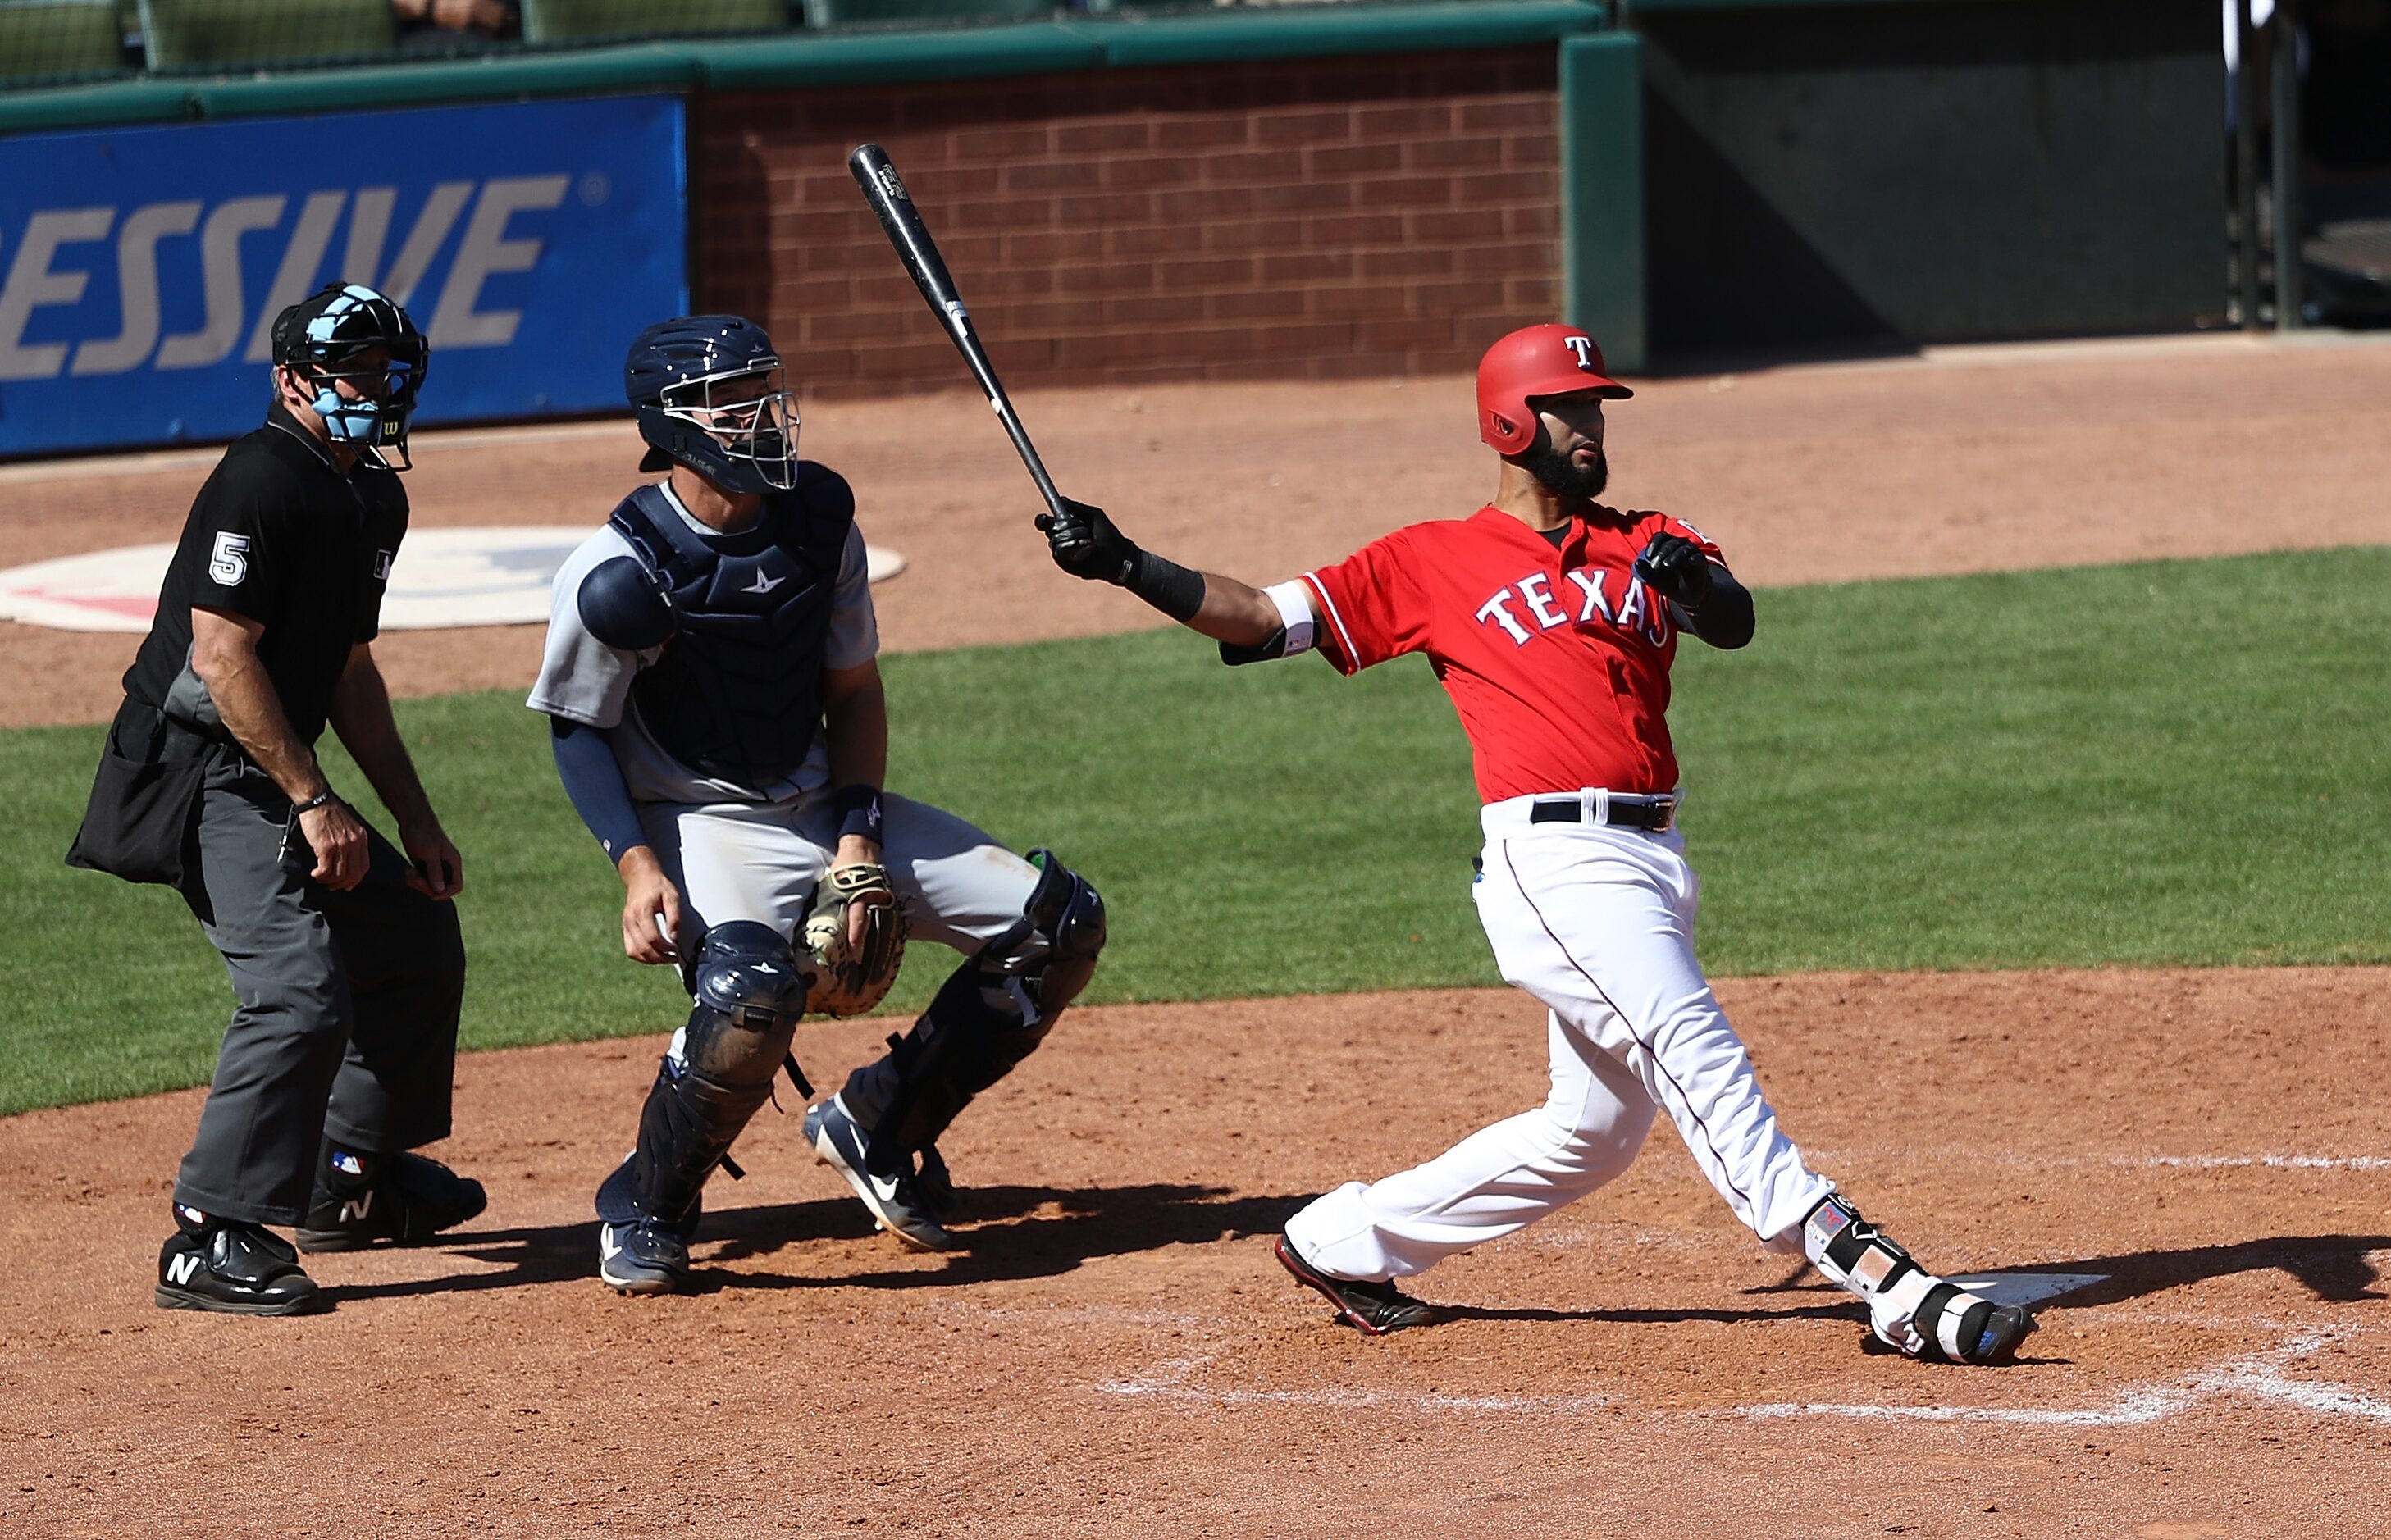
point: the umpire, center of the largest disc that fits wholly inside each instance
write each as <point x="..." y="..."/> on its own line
<point x="344" y="956"/>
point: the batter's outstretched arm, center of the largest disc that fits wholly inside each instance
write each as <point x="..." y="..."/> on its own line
<point x="1724" y="619"/>
<point x="1085" y="543"/>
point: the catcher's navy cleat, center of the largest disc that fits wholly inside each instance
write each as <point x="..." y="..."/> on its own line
<point x="892" y="1195"/>
<point x="642" y="1256"/>
<point x="1373" y="1308"/>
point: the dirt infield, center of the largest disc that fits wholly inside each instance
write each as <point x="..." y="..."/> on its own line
<point x="2187" y="1168"/>
<point x="2175" y="1159"/>
<point x="1975" y="460"/>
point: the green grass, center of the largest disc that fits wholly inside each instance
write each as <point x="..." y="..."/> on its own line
<point x="2168" y="763"/>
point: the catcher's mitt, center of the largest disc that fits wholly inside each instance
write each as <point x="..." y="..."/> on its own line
<point x="851" y="980"/>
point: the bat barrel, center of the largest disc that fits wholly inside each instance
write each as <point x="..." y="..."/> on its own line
<point x="885" y="190"/>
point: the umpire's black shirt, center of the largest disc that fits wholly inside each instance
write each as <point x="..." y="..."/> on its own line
<point x="279" y="536"/>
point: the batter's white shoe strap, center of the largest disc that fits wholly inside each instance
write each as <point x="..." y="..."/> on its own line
<point x="1908" y="1307"/>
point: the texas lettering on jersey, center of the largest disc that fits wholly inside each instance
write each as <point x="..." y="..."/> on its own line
<point x="1585" y="707"/>
<point x="1530" y="602"/>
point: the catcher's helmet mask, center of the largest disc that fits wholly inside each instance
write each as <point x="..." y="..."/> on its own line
<point x="347" y="333"/>
<point x="709" y="393"/>
<point x="1549" y="360"/>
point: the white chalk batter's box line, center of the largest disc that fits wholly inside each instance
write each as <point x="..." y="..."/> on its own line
<point x="2259" y="1377"/>
<point x="1829" y="1157"/>
<point x="2256" y="1376"/>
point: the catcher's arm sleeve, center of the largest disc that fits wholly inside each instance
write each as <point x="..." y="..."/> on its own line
<point x="593" y="779"/>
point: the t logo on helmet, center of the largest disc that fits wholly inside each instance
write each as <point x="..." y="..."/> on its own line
<point x="1584" y="348"/>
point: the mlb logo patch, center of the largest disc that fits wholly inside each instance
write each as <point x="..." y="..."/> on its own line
<point x="381" y="566"/>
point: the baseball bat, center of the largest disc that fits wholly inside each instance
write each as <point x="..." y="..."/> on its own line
<point x="876" y="174"/>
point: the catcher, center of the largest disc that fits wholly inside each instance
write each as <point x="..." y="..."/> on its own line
<point x="718" y="721"/>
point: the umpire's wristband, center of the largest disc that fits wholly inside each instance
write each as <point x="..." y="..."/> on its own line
<point x="320" y="799"/>
<point x="858" y="807"/>
<point x="1167" y="585"/>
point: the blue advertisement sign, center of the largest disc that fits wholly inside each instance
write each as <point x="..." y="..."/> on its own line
<point x="141" y="268"/>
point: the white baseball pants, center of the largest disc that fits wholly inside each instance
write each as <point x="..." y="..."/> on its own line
<point x="1598" y="924"/>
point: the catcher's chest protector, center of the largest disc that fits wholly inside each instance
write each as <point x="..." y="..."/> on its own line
<point x="737" y="693"/>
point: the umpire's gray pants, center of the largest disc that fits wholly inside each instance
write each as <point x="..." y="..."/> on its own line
<point x="346" y="1021"/>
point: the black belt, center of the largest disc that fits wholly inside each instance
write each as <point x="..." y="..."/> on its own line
<point x="1652" y="814"/>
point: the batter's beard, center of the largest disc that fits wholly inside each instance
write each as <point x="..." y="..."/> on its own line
<point x="1560" y="475"/>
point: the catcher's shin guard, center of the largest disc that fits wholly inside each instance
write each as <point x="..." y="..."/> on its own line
<point x="1909" y="1308"/>
<point x="749" y="997"/>
<point x="993" y="1011"/>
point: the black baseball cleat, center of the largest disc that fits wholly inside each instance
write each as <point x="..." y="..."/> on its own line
<point x="240" y="1269"/>
<point x="362" y="1199"/>
<point x="1372" y="1308"/>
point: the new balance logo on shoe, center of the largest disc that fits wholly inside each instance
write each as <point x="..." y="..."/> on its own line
<point x="353" y="1210"/>
<point x="183" y="1269"/>
<point x="608" y="1247"/>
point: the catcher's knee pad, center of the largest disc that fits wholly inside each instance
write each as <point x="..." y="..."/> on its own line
<point x="1053" y="948"/>
<point x="750" y="993"/>
<point x="1908" y="1307"/>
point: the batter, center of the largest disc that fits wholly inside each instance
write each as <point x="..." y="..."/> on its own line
<point x="712" y="680"/>
<point x="1552" y="621"/>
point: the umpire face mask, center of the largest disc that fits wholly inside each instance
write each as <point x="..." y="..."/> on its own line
<point x="365" y="401"/>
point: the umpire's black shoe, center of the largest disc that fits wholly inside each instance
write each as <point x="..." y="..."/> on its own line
<point x="1374" y="1308"/>
<point x="238" y="1268"/>
<point x="364" y="1199"/>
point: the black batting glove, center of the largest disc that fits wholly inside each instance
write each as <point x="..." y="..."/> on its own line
<point x="1674" y="567"/>
<point x="1084" y="543"/>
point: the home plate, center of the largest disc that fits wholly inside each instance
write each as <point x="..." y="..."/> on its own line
<point x="442" y="578"/>
<point x="2026" y="1288"/>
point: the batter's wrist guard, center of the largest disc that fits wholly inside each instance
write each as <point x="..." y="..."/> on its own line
<point x="1165" y="584"/>
<point x="859" y="810"/>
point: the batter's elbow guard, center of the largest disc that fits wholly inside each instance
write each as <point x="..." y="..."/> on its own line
<point x="1268" y="649"/>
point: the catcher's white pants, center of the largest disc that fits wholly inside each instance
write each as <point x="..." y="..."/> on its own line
<point x="762" y="861"/>
<point x="1598" y="924"/>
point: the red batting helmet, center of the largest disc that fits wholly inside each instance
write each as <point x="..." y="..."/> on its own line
<point x="1535" y="361"/>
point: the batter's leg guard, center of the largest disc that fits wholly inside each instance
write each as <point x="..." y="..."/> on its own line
<point x="750" y="993"/>
<point x="992" y="1011"/>
<point x="1909" y="1308"/>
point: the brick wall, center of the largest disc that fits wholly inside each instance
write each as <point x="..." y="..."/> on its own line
<point x="1315" y="219"/>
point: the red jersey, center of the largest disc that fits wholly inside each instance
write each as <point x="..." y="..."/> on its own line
<point x="1556" y="660"/>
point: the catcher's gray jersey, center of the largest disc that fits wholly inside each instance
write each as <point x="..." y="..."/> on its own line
<point x="584" y="680"/>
